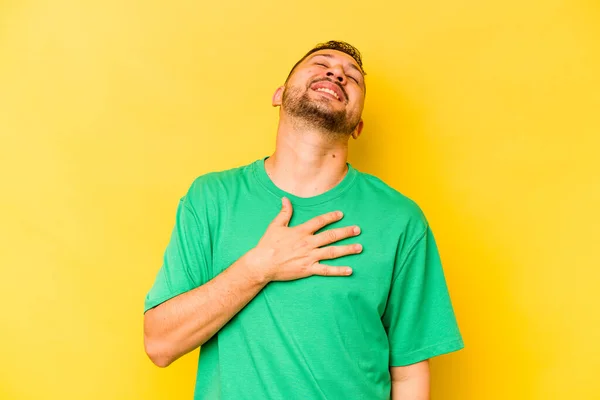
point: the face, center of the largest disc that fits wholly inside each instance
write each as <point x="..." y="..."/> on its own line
<point x="325" y="91"/>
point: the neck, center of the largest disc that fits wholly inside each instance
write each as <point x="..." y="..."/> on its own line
<point x="306" y="162"/>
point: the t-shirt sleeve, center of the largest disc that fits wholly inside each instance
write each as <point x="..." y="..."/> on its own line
<point x="419" y="318"/>
<point x="187" y="258"/>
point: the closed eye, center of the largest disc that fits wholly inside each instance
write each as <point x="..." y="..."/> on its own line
<point x="327" y="66"/>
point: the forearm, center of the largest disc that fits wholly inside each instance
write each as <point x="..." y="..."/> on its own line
<point x="189" y="320"/>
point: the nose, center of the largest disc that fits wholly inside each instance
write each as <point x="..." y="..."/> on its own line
<point x="338" y="74"/>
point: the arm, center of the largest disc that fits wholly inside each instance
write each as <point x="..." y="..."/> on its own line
<point x="410" y="382"/>
<point x="189" y="320"/>
<point x="419" y="318"/>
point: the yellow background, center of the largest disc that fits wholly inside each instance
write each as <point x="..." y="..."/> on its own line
<point x="485" y="113"/>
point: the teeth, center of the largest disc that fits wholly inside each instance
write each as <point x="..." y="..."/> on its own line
<point x="328" y="91"/>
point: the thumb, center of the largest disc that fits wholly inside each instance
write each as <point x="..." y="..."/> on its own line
<point x="284" y="216"/>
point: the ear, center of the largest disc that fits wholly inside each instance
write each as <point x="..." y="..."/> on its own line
<point x="358" y="130"/>
<point x="277" y="96"/>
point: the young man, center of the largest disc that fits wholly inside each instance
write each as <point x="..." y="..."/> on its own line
<point x="243" y="275"/>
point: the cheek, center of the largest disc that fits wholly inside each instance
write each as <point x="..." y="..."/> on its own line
<point x="298" y="81"/>
<point x="357" y="97"/>
<point x="357" y="105"/>
<point x="307" y="76"/>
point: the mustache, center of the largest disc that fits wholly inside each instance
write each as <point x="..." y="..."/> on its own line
<point x="332" y="81"/>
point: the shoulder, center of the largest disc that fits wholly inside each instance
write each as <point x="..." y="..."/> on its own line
<point x="390" y="200"/>
<point x="398" y="214"/>
<point x="209" y="187"/>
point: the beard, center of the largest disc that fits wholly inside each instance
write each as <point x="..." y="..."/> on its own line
<point x="317" y="113"/>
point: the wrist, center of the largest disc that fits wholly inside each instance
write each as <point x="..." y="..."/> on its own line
<point x="254" y="265"/>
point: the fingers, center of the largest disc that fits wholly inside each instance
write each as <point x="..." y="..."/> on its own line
<point x="327" y="253"/>
<point x="334" y="235"/>
<point x="326" y="270"/>
<point x="316" y="223"/>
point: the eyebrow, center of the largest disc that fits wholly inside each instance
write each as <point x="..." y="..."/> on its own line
<point x="331" y="56"/>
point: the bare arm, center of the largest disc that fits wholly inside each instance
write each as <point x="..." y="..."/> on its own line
<point x="189" y="320"/>
<point x="410" y="382"/>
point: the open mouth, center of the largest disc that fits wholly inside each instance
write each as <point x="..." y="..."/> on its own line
<point x="330" y="89"/>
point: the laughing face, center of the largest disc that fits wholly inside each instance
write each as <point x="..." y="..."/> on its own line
<point x="325" y="91"/>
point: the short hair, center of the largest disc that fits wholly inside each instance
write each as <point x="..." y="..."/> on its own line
<point x="333" y="45"/>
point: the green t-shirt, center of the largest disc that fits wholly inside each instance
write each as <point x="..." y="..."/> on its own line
<point x="318" y="337"/>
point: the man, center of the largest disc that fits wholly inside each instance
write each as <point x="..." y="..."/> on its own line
<point x="288" y="298"/>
